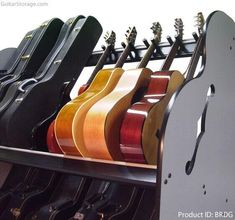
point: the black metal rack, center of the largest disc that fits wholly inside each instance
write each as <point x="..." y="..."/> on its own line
<point x="138" y="174"/>
<point x="131" y="173"/>
<point x="162" y="50"/>
<point x="210" y="185"/>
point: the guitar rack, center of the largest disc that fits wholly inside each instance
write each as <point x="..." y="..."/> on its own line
<point x="195" y="172"/>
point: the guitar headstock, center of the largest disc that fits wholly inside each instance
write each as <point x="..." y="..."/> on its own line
<point x="157" y="31"/>
<point x="131" y="34"/>
<point x="110" y="38"/>
<point x="179" y="27"/>
<point x="200" y="21"/>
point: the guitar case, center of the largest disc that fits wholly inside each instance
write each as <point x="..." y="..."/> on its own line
<point x="39" y="131"/>
<point x="146" y="205"/>
<point x="41" y="44"/>
<point x="10" y="57"/>
<point x="30" y="196"/>
<point x="13" y="90"/>
<point x="38" y="100"/>
<point x="6" y="59"/>
<point x="65" y="199"/>
<point x="109" y="200"/>
<point x="14" y="180"/>
<point x="17" y="177"/>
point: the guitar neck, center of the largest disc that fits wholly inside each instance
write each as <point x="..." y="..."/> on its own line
<point x="170" y="57"/>
<point x="194" y="59"/>
<point x="143" y="63"/>
<point x="123" y="57"/>
<point x="100" y="63"/>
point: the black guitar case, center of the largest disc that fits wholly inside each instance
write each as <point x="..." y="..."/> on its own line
<point x="109" y="200"/>
<point x="17" y="178"/>
<point x="30" y="196"/>
<point x="19" y="173"/>
<point x="39" y="99"/>
<point x="15" y="88"/>
<point x="40" y="46"/>
<point x="6" y="59"/>
<point x="10" y="57"/>
<point x="65" y="199"/>
<point x="145" y="208"/>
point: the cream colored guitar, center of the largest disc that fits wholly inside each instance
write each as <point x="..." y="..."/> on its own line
<point x="103" y="120"/>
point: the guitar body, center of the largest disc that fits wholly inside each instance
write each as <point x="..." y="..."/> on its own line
<point x="138" y="140"/>
<point x="103" y="120"/>
<point x="70" y="120"/>
<point x="52" y="144"/>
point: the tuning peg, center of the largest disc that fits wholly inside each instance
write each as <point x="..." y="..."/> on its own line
<point x="169" y="39"/>
<point x="199" y="22"/>
<point x="179" y="27"/>
<point x="123" y="44"/>
<point x="146" y="43"/>
<point x="195" y="36"/>
<point x="103" y="47"/>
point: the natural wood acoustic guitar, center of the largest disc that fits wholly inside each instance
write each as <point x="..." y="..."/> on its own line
<point x="52" y="144"/>
<point x="69" y="122"/>
<point x="103" y="120"/>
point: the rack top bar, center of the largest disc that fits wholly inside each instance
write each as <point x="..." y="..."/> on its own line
<point x="162" y="50"/>
<point x="144" y="175"/>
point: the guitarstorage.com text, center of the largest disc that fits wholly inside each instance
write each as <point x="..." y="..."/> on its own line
<point x="23" y="4"/>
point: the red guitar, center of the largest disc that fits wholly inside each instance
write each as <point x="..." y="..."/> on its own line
<point x="138" y="141"/>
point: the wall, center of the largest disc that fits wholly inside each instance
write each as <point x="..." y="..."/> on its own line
<point x="15" y="21"/>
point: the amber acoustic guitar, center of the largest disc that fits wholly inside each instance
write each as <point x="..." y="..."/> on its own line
<point x="110" y="39"/>
<point x="103" y="121"/>
<point x="138" y="141"/>
<point x="69" y="122"/>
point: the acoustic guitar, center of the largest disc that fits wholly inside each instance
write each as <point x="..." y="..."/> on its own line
<point x="69" y="122"/>
<point x="103" y="121"/>
<point x="110" y="40"/>
<point x="138" y="141"/>
<point x="52" y="144"/>
<point x="154" y="112"/>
